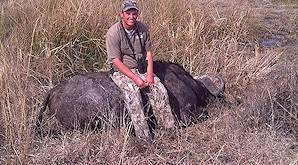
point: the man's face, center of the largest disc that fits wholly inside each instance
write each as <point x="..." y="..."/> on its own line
<point x="129" y="18"/>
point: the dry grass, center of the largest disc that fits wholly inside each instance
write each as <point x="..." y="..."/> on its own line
<point x="46" y="41"/>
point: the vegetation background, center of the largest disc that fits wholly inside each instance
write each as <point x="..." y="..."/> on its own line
<point x="251" y="43"/>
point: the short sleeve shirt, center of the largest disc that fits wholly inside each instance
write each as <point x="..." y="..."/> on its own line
<point x="118" y="46"/>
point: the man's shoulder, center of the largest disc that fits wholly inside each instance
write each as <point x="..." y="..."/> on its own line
<point x="113" y="30"/>
<point x="142" y="26"/>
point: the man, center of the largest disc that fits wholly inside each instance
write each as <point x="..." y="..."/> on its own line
<point x="128" y="47"/>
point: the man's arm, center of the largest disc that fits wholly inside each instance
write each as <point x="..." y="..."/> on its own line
<point x="150" y="74"/>
<point x="126" y="71"/>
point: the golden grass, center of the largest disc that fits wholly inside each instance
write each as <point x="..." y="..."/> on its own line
<point x="45" y="41"/>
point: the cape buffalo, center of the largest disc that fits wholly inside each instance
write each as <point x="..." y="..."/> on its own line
<point x="93" y="100"/>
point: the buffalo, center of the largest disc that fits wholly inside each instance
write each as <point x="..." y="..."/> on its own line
<point x="92" y="100"/>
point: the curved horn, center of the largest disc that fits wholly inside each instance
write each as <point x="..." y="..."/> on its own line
<point x="208" y="83"/>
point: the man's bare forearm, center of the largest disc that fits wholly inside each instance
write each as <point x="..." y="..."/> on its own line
<point x="123" y="69"/>
<point x="149" y="58"/>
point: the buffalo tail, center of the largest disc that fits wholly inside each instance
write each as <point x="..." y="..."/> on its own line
<point x="38" y="125"/>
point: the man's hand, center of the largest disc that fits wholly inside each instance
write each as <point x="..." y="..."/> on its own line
<point x="149" y="80"/>
<point x="139" y="82"/>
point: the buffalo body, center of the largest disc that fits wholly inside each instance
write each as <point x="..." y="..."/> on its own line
<point x="93" y="99"/>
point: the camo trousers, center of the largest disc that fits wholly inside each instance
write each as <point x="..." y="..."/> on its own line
<point x="158" y="99"/>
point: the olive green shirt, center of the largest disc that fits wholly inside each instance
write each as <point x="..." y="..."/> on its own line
<point x="118" y="46"/>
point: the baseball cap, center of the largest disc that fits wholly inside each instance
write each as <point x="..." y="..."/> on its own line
<point x="129" y="4"/>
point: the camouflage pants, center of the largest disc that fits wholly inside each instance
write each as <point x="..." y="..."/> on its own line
<point x="158" y="99"/>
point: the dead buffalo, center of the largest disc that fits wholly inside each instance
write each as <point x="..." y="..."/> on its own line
<point x="93" y="100"/>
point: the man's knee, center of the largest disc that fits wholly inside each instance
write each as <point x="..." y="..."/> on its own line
<point x="159" y="89"/>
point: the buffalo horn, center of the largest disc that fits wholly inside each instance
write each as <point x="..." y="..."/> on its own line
<point x="209" y="84"/>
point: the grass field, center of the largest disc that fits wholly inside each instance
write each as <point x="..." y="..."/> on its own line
<point x="252" y="44"/>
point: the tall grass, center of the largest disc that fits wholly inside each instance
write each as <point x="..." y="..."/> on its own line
<point x="46" y="41"/>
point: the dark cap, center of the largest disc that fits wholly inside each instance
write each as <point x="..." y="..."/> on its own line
<point x="129" y="4"/>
